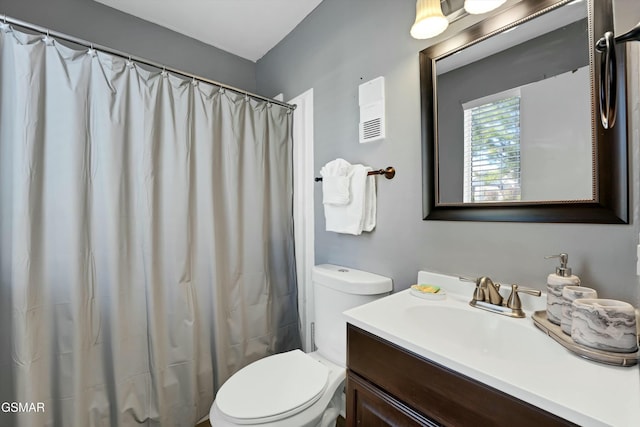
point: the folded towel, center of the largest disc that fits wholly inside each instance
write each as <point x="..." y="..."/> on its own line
<point x="360" y="213"/>
<point x="336" y="176"/>
<point x="335" y="190"/>
<point x="349" y="218"/>
<point x="369" y="217"/>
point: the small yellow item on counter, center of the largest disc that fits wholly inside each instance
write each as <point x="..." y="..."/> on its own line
<point x="427" y="289"/>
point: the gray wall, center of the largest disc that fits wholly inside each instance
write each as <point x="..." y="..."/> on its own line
<point x="345" y="43"/>
<point x="97" y="23"/>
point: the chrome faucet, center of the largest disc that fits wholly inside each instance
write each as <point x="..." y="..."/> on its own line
<point x="487" y="297"/>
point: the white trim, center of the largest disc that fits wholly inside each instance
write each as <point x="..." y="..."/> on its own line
<point x="303" y="212"/>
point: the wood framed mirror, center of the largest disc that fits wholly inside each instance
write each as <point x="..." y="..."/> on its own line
<point x="511" y="126"/>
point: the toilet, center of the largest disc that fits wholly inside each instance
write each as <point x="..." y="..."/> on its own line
<point x="296" y="389"/>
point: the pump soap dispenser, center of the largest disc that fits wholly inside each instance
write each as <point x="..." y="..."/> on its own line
<point x="555" y="283"/>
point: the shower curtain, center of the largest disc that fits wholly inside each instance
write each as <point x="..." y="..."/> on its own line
<point x="146" y="242"/>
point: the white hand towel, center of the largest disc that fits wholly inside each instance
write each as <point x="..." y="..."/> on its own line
<point x="336" y="177"/>
<point x="369" y="217"/>
<point x="349" y="218"/>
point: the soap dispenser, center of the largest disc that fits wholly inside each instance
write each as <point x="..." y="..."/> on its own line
<point x="555" y="283"/>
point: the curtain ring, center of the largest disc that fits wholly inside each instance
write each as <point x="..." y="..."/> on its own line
<point x="4" y="18"/>
<point x="47" y="39"/>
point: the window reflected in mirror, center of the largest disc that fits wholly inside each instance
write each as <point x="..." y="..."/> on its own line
<point x="492" y="148"/>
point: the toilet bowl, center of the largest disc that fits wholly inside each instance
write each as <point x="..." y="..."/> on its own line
<point x="296" y="389"/>
<point x="290" y="389"/>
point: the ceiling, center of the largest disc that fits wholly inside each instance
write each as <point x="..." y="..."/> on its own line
<point x="246" y="28"/>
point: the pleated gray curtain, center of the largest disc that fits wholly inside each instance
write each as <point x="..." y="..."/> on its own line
<point x="146" y="242"/>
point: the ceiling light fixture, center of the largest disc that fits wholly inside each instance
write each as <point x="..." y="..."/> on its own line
<point x="476" y="7"/>
<point x="430" y="21"/>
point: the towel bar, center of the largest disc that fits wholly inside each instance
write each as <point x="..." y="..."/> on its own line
<point x="388" y="173"/>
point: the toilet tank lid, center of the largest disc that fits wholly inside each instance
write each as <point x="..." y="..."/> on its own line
<point x="350" y="280"/>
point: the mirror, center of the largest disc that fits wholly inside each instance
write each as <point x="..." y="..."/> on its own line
<point x="509" y="120"/>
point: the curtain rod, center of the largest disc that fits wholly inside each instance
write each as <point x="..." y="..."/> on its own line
<point x="44" y="31"/>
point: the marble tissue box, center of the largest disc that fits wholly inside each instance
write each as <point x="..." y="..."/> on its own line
<point x="604" y="324"/>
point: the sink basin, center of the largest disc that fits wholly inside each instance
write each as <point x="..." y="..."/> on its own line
<point x="471" y="330"/>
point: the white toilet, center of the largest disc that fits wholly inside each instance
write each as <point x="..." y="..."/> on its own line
<point x="295" y="389"/>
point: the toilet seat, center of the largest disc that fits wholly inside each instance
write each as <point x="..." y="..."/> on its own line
<point x="276" y="387"/>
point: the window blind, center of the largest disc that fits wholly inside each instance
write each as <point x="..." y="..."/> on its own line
<point x="492" y="150"/>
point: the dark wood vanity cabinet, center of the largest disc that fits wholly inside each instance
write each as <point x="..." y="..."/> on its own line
<point x="390" y="386"/>
<point x="372" y="407"/>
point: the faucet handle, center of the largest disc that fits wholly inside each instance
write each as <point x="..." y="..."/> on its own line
<point x="513" y="301"/>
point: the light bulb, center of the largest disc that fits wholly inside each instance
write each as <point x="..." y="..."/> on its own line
<point x="476" y="7"/>
<point x="429" y="20"/>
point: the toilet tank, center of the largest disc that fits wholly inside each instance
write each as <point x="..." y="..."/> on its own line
<point x="337" y="289"/>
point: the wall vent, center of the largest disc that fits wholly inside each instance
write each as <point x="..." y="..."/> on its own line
<point x="371" y="129"/>
<point x="372" y="114"/>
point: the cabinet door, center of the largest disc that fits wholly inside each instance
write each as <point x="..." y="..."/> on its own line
<point x="368" y="406"/>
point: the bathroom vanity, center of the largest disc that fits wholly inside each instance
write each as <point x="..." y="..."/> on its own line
<point x="419" y="362"/>
<point x="387" y="384"/>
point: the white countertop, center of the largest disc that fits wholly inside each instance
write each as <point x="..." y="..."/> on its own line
<point x="509" y="354"/>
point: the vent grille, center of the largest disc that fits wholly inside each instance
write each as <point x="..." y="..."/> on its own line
<point x="371" y="129"/>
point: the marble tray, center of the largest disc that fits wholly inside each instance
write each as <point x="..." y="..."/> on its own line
<point x="608" y="357"/>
